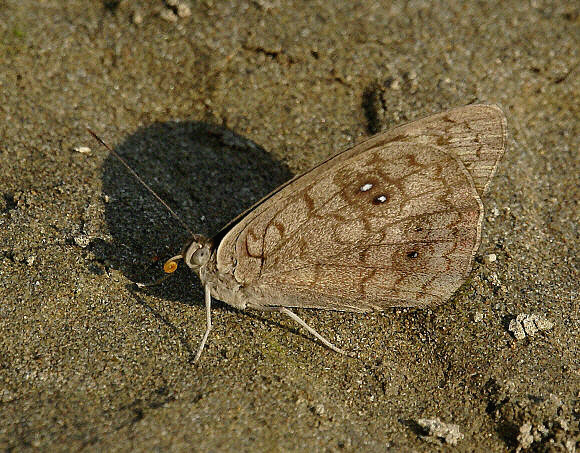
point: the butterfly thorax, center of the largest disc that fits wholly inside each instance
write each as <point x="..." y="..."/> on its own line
<point x="224" y="286"/>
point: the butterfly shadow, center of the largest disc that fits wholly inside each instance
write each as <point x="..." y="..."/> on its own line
<point x="206" y="173"/>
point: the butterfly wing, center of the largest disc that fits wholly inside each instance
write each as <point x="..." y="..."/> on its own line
<point x="393" y="221"/>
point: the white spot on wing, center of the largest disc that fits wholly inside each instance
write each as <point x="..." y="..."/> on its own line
<point x="366" y="187"/>
<point x="381" y="198"/>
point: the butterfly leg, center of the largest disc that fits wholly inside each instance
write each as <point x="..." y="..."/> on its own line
<point x="300" y="321"/>
<point x="208" y="322"/>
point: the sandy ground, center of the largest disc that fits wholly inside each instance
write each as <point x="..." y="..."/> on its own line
<point x="216" y="109"/>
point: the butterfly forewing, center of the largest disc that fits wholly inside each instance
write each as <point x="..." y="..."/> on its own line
<point x="393" y="221"/>
<point x="392" y="226"/>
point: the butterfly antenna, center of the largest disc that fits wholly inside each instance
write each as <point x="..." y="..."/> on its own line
<point x="134" y="173"/>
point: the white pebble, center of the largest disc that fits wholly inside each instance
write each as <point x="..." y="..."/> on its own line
<point x="528" y="325"/>
<point x="437" y="429"/>
<point x="82" y="149"/>
<point x="491" y="258"/>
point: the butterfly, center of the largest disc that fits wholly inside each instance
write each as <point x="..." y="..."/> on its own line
<point x="393" y="221"/>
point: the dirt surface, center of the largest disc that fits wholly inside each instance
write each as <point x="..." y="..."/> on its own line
<point x="215" y="109"/>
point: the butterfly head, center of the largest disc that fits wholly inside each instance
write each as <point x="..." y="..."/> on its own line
<point x="197" y="252"/>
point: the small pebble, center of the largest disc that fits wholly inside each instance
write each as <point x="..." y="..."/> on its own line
<point x="137" y="18"/>
<point x="319" y="409"/>
<point x="491" y="258"/>
<point x="528" y="325"/>
<point x="525" y="438"/>
<point x="179" y="8"/>
<point x="168" y="15"/>
<point x="436" y="429"/>
<point x="82" y="240"/>
<point x="82" y="149"/>
<point x="183" y="10"/>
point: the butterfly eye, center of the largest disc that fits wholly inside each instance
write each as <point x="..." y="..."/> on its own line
<point x="197" y="252"/>
<point x="200" y="257"/>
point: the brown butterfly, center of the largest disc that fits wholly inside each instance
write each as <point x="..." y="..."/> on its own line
<point x="393" y="221"/>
